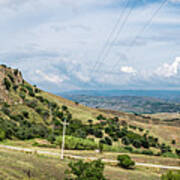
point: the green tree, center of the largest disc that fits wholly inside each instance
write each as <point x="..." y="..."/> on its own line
<point x="7" y="83"/>
<point x="101" y="147"/>
<point x="86" y="170"/>
<point x="125" y="161"/>
<point x="2" y="135"/>
<point x="171" y="176"/>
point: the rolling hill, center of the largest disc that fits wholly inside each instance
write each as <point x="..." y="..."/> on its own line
<point x="26" y="112"/>
<point x="127" y="103"/>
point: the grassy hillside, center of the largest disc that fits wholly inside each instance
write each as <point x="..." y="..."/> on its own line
<point x="28" y="112"/>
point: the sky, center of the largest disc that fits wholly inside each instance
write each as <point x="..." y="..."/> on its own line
<point x="63" y="45"/>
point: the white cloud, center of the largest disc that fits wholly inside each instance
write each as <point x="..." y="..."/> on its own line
<point x="53" y="78"/>
<point x="40" y="38"/>
<point x="128" y="69"/>
<point x="169" y="70"/>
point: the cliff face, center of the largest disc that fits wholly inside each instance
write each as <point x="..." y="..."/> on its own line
<point x="10" y="79"/>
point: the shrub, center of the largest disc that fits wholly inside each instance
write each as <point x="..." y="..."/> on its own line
<point x="2" y="135"/>
<point x="137" y="143"/>
<point x="170" y="155"/>
<point x="129" y="148"/>
<point x="125" y="161"/>
<point x="16" y="72"/>
<point x="11" y="78"/>
<point x="77" y="103"/>
<point x="171" y="176"/>
<point x="108" y="141"/>
<point x="98" y="133"/>
<point x="30" y="90"/>
<point x="101" y="147"/>
<point x="132" y="127"/>
<point x="100" y="117"/>
<point x="64" y="108"/>
<point x="147" y="152"/>
<point x="173" y="141"/>
<point x="164" y="148"/>
<point x="15" y="87"/>
<point x="178" y="152"/>
<point x="86" y="170"/>
<point x="31" y="103"/>
<point x="72" y="142"/>
<point x="125" y="140"/>
<point x="25" y="114"/>
<point x="6" y="110"/>
<point x="141" y="129"/>
<point x="7" y="83"/>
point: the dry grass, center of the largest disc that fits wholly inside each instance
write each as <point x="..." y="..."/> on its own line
<point x="18" y="165"/>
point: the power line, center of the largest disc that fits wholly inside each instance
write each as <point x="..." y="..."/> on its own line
<point x="142" y="30"/>
<point x="110" y="35"/>
<point x="117" y="34"/>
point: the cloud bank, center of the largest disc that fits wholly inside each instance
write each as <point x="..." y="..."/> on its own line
<point x="57" y="43"/>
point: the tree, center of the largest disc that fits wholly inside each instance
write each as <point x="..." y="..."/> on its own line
<point x="100" y="117"/>
<point x="137" y="143"/>
<point x="125" y="161"/>
<point x="2" y="135"/>
<point x="125" y="140"/>
<point x="7" y="83"/>
<point x="108" y="141"/>
<point x="171" y="176"/>
<point x="90" y="121"/>
<point x="101" y="147"/>
<point x="86" y="170"/>
<point x="178" y="152"/>
<point x="173" y="141"/>
<point x="64" y="108"/>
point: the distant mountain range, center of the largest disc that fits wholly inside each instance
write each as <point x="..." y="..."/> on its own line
<point x="138" y="101"/>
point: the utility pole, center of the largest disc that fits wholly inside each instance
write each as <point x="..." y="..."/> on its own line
<point x="63" y="138"/>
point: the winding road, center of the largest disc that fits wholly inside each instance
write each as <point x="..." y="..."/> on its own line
<point x="80" y="157"/>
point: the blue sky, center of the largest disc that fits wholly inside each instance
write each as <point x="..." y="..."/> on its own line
<point x="58" y="44"/>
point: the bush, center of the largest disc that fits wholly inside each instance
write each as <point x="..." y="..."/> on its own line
<point x="108" y="141"/>
<point x="2" y="135"/>
<point x="16" y="72"/>
<point x="137" y="143"/>
<point x="86" y="170"/>
<point x="64" y="108"/>
<point x="171" y="176"/>
<point x="129" y="148"/>
<point x="100" y="117"/>
<point x="98" y="133"/>
<point x="132" y="127"/>
<point x="125" y="140"/>
<point x="170" y="155"/>
<point x="173" y="142"/>
<point x="141" y="129"/>
<point x="72" y="142"/>
<point x="147" y="152"/>
<point x="7" y="83"/>
<point x="31" y="103"/>
<point x="25" y="114"/>
<point x="178" y="152"/>
<point x="125" y="161"/>
<point x="164" y="148"/>
<point x="30" y="90"/>
<point x="11" y="78"/>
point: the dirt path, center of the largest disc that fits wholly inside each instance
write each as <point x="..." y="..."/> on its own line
<point x="80" y="157"/>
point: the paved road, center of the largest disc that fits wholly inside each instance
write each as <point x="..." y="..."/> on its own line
<point x="80" y="157"/>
